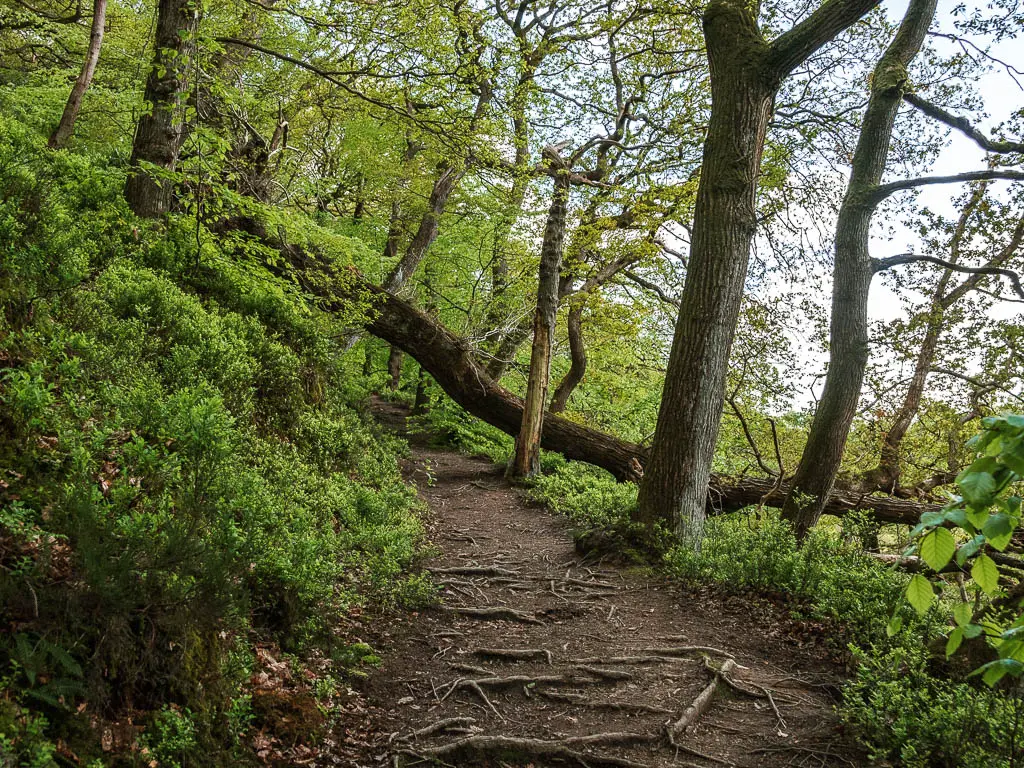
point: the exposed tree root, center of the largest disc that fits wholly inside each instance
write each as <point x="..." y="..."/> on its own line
<point x="646" y="659"/>
<point x="506" y="614"/>
<point x="605" y="674"/>
<point x="510" y="748"/>
<point x="580" y="700"/>
<point x="517" y="654"/>
<point x="476" y="571"/>
<point x="449" y="725"/>
<point x="688" y="650"/>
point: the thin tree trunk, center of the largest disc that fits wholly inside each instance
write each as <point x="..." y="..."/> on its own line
<point x="427" y="231"/>
<point x="526" y="461"/>
<point x="66" y="126"/>
<point x="161" y="130"/>
<point x="421" y="400"/>
<point x="394" y="368"/>
<point x="578" y="354"/>
<point x="853" y="272"/>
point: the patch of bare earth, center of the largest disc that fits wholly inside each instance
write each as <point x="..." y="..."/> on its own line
<point x="539" y="657"/>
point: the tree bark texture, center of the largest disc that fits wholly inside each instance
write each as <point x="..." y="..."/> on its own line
<point x="66" y="126"/>
<point x="526" y="461"/>
<point x="674" y="489"/>
<point x="161" y="130"/>
<point x="852" y="275"/>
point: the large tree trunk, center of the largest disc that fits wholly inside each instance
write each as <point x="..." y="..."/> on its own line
<point x="853" y="271"/>
<point x="160" y="131"/>
<point x="66" y="126"/>
<point x="578" y="355"/>
<point x="674" y="489"/>
<point x="745" y="75"/>
<point x="526" y="461"/>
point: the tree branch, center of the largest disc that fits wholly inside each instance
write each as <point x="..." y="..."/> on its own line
<point x="789" y="50"/>
<point x="652" y="287"/>
<point x="880" y="265"/>
<point x="883" y="191"/>
<point x="963" y="125"/>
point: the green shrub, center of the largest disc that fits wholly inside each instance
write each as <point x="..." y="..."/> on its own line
<point x="187" y="467"/>
<point x="902" y="714"/>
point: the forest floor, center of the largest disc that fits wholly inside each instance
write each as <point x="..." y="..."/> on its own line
<point x="539" y="656"/>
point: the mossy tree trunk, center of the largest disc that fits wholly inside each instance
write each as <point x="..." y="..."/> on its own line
<point x="161" y="130"/>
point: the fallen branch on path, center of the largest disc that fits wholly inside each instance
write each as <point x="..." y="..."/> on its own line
<point x="699" y="705"/>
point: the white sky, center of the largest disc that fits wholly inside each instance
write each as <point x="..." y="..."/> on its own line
<point x="1001" y="97"/>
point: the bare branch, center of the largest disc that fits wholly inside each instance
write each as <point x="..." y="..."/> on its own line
<point x="880" y="265"/>
<point x="961" y="124"/>
<point x="883" y="191"/>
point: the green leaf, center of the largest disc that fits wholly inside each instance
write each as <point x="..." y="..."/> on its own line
<point x="894" y="626"/>
<point x="935" y="517"/>
<point x="955" y="638"/>
<point x="985" y="574"/>
<point x="962" y="614"/>
<point x="969" y="549"/>
<point x="998" y="529"/>
<point x="994" y="671"/>
<point x="978" y="488"/>
<point x="937" y="548"/>
<point x="957" y="516"/>
<point x="977" y="517"/>
<point x="971" y="631"/>
<point x="919" y="594"/>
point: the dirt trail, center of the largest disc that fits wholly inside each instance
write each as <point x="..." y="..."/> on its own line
<point x="538" y="657"/>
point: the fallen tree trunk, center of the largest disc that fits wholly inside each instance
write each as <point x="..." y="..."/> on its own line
<point x="453" y="364"/>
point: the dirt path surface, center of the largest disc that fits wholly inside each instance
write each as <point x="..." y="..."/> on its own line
<point x="539" y="657"/>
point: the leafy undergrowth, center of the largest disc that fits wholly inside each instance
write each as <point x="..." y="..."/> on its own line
<point x="193" y="509"/>
<point x="899" y="702"/>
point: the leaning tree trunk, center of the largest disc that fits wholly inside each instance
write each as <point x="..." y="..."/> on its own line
<point x="66" y="126"/>
<point x="161" y="130"/>
<point x="452" y="363"/>
<point x="526" y="461"/>
<point x="578" y="366"/>
<point x="853" y="271"/>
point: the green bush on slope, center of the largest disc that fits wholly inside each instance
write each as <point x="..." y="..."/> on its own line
<point x="185" y="470"/>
